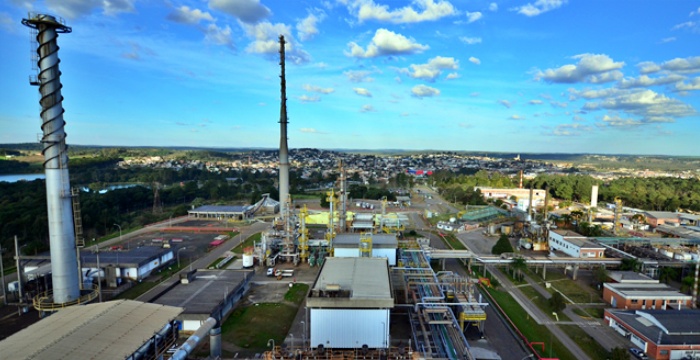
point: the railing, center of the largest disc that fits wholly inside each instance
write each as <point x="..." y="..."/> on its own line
<point x="44" y="301"/>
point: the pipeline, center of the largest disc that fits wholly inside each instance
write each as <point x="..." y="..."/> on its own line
<point x="194" y="340"/>
<point x="66" y="285"/>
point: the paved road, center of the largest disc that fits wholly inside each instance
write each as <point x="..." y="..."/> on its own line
<point x="204" y="261"/>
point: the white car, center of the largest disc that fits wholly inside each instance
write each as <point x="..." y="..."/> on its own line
<point x="270" y="272"/>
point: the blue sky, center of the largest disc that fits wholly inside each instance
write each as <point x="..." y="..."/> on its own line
<point x="515" y="75"/>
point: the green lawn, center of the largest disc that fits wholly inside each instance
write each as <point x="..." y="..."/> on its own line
<point x="586" y="342"/>
<point x="296" y="293"/>
<point x="248" y="242"/>
<point x="136" y="290"/>
<point x="590" y="312"/>
<point x="529" y="328"/>
<point x="576" y="292"/>
<point x="252" y="326"/>
<point x="542" y="303"/>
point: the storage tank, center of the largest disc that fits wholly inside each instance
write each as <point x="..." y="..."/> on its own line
<point x="681" y="256"/>
<point x="492" y="229"/>
<point x="506" y="229"/>
<point x="248" y="257"/>
<point x="452" y="220"/>
<point x="666" y="252"/>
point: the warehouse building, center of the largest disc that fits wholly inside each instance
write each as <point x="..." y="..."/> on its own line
<point x="206" y="293"/>
<point x="122" y="329"/>
<point x="134" y="264"/>
<point x="663" y="335"/>
<point x="574" y="244"/>
<point x="349" y="304"/>
<point x="648" y="295"/>
<point x="382" y="246"/>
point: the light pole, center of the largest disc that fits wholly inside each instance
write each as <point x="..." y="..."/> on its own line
<point x="178" y="255"/>
<point x="272" y="346"/>
<point x="292" y="336"/>
<point x="99" y="274"/>
<point x="2" y="274"/>
<point x="120" y="235"/>
<point x="383" y="334"/>
<point x="303" y="336"/>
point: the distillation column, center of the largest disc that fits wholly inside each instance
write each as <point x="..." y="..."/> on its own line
<point x="66" y="286"/>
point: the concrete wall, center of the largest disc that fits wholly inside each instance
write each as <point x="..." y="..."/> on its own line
<point x="349" y="328"/>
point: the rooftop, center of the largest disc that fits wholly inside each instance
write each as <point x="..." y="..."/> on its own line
<point x="110" y="330"/>
<point x="352" y="283"/>
<point x="378" y="240"/>
<point x="646" y="290"/>
<point x="661" y="214"/>
<point x="630" y="277"/>
<point x="204" y="294"/>
<point x="220" y="209"/>
<point x="567" y="233"/>
<point x="135" y="256"/>
<point x="669" y="326"/>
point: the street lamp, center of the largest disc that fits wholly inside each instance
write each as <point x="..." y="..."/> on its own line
<point x="303" y="337"/>
<point x="120" y="235"/>
<point x="178" y="255"/>
<point x="292" y="336"/>
<point x="272" y="346"/>
<point x="99" y="275"/>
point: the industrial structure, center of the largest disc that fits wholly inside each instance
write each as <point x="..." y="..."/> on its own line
<point x="64" y="265"/>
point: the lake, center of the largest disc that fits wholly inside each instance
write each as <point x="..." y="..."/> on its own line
<point x="21" y="177"/>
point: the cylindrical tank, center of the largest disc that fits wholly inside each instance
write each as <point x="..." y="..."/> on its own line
<point x="492" y="229"/>
<point x="453" y="220"/>
<point x="506" y="229"/>
<point x="247" y="260"/>
<point x="666" y="252"/>
<point x="681" y="256"/>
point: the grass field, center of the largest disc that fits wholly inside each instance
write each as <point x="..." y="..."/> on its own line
<point x="542" y="303"/>
<point x="248" y="242"/>
<point x="586" y="342"/>
<point x="296" y="293"/>
<point x="136" y="290"/>
<point x="590" y="312"/>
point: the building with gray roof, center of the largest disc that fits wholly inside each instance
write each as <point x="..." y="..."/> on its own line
<point x="662" y="334"/>
<point x="349" y="303"/>
<point x="383" y="246"/>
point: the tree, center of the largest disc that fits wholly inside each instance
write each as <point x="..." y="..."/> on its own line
<point x="619" y="353"/>
<point x="630" y="264"/>
<point x="666" y="274"/>
<point x="502" y="246"/>
<point x="518" y="265"/>
<point x="557" y="302"/>
<point x="600" y="274"/>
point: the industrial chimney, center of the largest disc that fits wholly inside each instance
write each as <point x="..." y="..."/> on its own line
<point x="284" y="155"/>
<point x="64" y="263"/>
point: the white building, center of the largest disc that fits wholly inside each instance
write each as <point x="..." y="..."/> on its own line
<point x="349" y="304"/>
<point x="383" y="246"/>
<point x="574" y="244"/>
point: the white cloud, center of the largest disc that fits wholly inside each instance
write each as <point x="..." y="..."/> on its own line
<point x="307" y="98"/>
<point x="695" y="12"/>
<point x="428" y="10"/>
<point x="539" y="7"/>
<point x="474" y="94"/>
<point x="265" y="37"/>
<point x="307" y="28"/>
<point x="683" y="65"/>
<point x="646" y="81"/>
<point x="311" y="131"/>
<point x="617" y="121"/>
<point x="358" y="76"/>
<point x="470" y="40"/>
<point x="594" y="68"/>
<point x="692" y="25"/>
<point x="693" y="84"/>
<point x="649" y="106"/>
<point x="185" y="15"/>
<point x="367" y="108"/>
<point x="574" y="129"/>
<point x="474" y="60"/>
<point x="578" y="118"/>
<point x="421" y="91"/>
<point x="318" y="89"/>
<point x="473" y="16"/>
<point x="73" y="9"/>
<point x="218" y="36"/>
<point x="362" y="92"/>
<point x="505" y="103"/>
<point x="452" y="76"/>
<point x="493" y="7"/>
<point x="386" y="43"/>
<point x="431" y="70"/>
<point x="535" y="102"/>
<point x="247" y="11"/>
<point x="558" y="104"/>
<point x="648" y="67"/>
<point x="668" y="40"/>
<point x="516" y="117"/>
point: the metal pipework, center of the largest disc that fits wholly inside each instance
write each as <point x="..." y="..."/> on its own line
<point x="194" y="340"/>
<point x="284" y="155"/>
<point x="66" y="286"/>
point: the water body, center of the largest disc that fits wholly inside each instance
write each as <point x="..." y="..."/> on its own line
<point x="21" y="177"/>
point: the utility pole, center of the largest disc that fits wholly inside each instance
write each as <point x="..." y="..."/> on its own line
<point x="20" y="276"/>
<point x="2" y="274"/>
<point x="99" y="275"/>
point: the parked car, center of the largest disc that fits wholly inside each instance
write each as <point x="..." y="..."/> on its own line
<point x="639" y="354"/>
<point x="270" y="272"/>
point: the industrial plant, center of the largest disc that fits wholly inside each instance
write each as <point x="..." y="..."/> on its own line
<point x="370" y="280"/>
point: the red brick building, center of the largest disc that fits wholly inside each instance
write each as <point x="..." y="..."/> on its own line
<point x="632" y="296"/>
<point x="662" y="334"/>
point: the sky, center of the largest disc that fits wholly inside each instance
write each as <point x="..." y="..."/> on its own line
<point x="564" y="76"/>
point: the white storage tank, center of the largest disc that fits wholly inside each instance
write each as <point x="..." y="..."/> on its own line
<point x="681" y="256"/>
<point x="248" y="257"/>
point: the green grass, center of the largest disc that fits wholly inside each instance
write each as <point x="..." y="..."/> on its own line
<point x="296" y="293"/>
<point x="452" y="241"/>
<point x="136" y="290"/>
<point x="217" y="261"/>
<point x="529" y="328"/>
<point x="552" y="274"/>
<point x="542" y="303"/>
<point x="589" y="312"/>
<point x="306" y="197"/>
<point x="588" y="344"/>
<point x="248" y="242"/>
<point x="576" y="292"/>
<point x="252" y="326"/>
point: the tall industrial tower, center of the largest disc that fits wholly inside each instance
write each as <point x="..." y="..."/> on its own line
<point x="284" y="154"/>
<point x="64" y="263"/>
